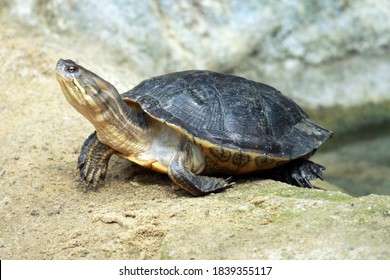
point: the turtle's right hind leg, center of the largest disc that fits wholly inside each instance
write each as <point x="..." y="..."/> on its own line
<point x="93" y="160"/>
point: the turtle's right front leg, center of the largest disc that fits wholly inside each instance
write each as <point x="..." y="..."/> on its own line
<point x="179" y="171"/>
<point x="93" y="160"/>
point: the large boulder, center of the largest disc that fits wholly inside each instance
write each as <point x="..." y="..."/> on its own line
<point x="322" y="53"/>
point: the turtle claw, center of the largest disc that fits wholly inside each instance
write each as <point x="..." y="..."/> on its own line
<point x="93" y="161"/>
<point x="307" y="183"/>
<point x="319" y="175"/>
<point x="228" y="182"/>
<point x="298" y="173"/>
<point x="302" y="171"/>
<point x="92" y="172"/>
<point x="221" y="184"/>
<point x="213" y="184"/>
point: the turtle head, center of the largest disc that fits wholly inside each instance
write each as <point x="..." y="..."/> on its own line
<point x="85" y="91"/>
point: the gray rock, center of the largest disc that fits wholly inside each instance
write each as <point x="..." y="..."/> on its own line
<point x="321" y="53"/>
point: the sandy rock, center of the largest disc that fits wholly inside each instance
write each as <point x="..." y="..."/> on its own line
<point x="137" y="214"/>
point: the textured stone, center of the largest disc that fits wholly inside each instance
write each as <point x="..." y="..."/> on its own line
<point x="321" y="52"/>
<point x="137" y="214"/>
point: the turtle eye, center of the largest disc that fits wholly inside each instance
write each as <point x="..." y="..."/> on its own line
<point x="71" y="69"/>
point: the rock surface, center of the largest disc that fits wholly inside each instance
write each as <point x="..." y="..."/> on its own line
<point x="256" y="39"/>
<point x="44" y="214"/>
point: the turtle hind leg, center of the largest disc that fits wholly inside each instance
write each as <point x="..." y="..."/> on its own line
<point x="302" y="171"/>
<point x="299" y="172"/>
<point x="197" y="185"/>
<point x="93" y="160"/>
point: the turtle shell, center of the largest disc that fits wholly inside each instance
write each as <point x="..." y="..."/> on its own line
<point x="230" y="112"/>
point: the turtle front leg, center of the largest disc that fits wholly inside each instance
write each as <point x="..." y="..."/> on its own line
<point x="179" y="171"/>
<point x="93" y="160"/>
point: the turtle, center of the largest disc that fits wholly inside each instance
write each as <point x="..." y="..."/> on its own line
<point x="200" y="127"/>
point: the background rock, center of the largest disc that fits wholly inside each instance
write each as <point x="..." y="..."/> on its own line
<point x="324" y="52"/>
